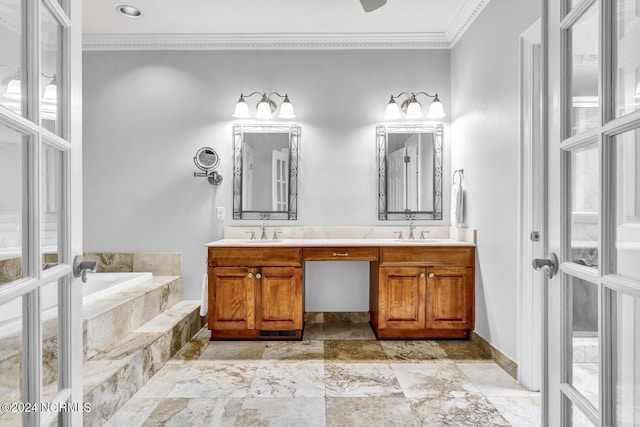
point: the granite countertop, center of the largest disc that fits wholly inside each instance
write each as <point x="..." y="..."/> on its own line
<point x="323" y="242"/>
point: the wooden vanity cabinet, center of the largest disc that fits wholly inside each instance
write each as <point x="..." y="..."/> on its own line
<point x="424" y="292"/>
<point x="255" y="293"/>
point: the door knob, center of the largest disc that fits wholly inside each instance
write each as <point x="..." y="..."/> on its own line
<point x="258" y="276"/>
<point x="431" y="275"/>
<point x="250" y="275"/>
<point x="421" y="274"/>
<point x="550" y="265"/>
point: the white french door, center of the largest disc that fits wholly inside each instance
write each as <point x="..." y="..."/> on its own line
<point x="593" y="304"/>
<point x="40" y="213"/>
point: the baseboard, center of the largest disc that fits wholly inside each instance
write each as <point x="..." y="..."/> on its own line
<point x="501" y="359"/>
<point x="337" y="317"/>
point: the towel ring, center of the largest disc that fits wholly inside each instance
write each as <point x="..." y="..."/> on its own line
<point x="460" y="174"/>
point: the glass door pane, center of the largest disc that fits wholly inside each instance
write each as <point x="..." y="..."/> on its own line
<point x="11" y="360"/>
<point x="13" y="193"/>
<point x="626" y="155"/>
<point x="12" y="56"/>
<point x="52" y="205"/>
<point x="50" y="343"/>
<point x="51" y="71"/>
<point x="583" y="332"/>
<point x="628" y="57"/>
<point x="584" y="193"/>
<point x="627" y="366"/>
<point x="584" y="71"/>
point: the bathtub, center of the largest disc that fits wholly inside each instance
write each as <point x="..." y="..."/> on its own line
<point x="98" y="285"/>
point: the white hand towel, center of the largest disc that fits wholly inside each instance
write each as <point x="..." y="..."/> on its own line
<point x="457" y="207"/>
<point x="204" y="297"/>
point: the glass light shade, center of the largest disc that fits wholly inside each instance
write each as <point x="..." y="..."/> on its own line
<point x="393" y="111"/>
<point x="414" y="110"/>
<point x="242" y="110"/>
<point x="50" y="93"/>
<point x="286" y="110"/>
<point x="436" y="110"/>
<point x="264" y="110"/>
<point x="14" y="89"/>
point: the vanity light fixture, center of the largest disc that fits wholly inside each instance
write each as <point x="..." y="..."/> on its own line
<point x="129" y="11"/>
<point x="265" y="108"/>
<point x="412" y="108"/>
<point x="14" y="88"/>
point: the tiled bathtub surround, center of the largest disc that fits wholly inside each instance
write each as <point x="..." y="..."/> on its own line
<point x="159" y="264"/>
<point x="108" y="320"/>
<point x="339" y="377"/>
<point x="353" y="232"/>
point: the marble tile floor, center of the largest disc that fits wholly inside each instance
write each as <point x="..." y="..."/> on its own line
<point x="338" y="375"/>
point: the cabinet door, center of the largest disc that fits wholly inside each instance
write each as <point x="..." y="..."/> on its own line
<point x="402" y="298"/>
<point x="279" y="298"/>
<point x="450" y="298"/>
<point x="231" y="298"/>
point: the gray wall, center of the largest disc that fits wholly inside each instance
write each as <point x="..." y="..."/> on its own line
<point x="146" y="114"/>
<point x="485" y="130"/>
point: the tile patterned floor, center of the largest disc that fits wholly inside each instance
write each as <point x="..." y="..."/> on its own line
<point x="339" y="375"/>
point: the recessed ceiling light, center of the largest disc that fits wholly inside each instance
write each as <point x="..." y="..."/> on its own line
<point x="129" y="11"/>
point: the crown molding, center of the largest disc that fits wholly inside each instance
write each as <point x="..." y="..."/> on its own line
<point x="284" y="41"/>
<point x="463" y="20"/>
<point x="290" y="41"/>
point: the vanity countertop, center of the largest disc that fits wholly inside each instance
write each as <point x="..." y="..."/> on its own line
<point x="335" y="242"/>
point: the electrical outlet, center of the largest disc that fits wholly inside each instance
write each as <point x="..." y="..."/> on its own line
<point x="220" y="213"/>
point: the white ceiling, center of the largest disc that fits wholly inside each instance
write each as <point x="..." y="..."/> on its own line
<point x="207" y="24"/>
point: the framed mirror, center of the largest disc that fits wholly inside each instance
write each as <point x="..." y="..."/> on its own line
<point x="265" y="171"/>
<point x="409" y="171"/>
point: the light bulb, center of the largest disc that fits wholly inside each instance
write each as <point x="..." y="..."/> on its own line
<point x="286" y="109"/>
<point x="51" y="93"/>
<point x="436" y="110"/>
<point x="414" y="110"/>
<point x="14" y="89"/>
<point x="393" y="111"/>
<point x="242" y="109"/>
<point x="264" y="109"/>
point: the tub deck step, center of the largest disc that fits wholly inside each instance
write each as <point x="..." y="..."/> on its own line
<point x="112" y="377"/>
<point x="111" y="318"/>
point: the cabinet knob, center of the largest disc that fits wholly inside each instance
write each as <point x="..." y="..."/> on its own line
<point x="250" y="275"/>
<point x="431" y="275"/>
<point x="258" y="276"/>
<point x="421" y="274"/>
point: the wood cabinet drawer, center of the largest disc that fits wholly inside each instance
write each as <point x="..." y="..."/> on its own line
<point x="255" y="257"/>
<point x="341" y="254"/>
<point x="427" y="256"/>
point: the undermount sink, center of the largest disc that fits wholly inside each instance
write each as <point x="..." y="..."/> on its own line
<point x="418" y="241"/>
<point x="263" y="241"/>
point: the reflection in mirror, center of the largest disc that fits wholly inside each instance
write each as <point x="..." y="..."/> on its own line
<point x="409" y="171"/>
<point x="265" y="171"/>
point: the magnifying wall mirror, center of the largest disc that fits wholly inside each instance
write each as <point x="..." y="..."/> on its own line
<point x="409" y="171"/>
<point x="265" y="182"/>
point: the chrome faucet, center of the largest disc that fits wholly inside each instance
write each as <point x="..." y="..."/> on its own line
<point x="80" y="267"/>
<point x="412" y="227"/>
<point x="263" y="231"/>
